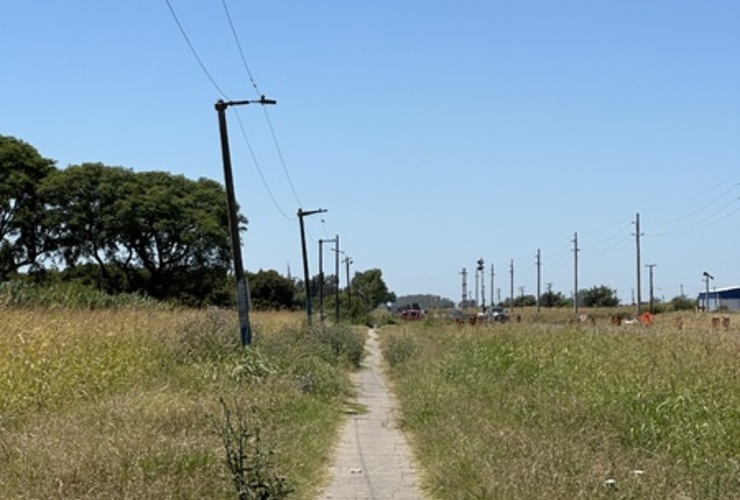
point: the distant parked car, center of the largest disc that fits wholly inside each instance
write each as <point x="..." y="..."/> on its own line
<point x="497" y="313"/>
<point x="412" y="314"/>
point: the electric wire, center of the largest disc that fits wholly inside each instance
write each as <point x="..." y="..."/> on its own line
<point x="194" y="52"/>
<point x="267" y="115"/>
<point x="259" y="170"/>
<point x="239" y="47"/>
<point x="703" y="207"/>
<point x="697" y="195"/>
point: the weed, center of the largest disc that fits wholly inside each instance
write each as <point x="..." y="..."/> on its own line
<point x="248" y="459"/>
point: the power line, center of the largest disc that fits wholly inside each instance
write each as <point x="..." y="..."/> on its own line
<point x="267" y="115"/>
<point x="239" y="47"/>
<point x="259" y="170"/>
<point x="195" y="53"/>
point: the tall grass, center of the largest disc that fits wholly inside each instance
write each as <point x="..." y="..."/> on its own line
<point x="536" y="411"/>
<point x="120" y="403"/>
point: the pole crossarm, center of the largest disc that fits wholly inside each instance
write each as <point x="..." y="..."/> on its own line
<point x="222" y="105"/>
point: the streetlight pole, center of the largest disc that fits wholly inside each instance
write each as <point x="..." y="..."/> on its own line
<point x="242" y="287"/>
<point x="306" y="282"/>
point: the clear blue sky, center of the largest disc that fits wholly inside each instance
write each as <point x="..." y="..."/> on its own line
<point x="434" y="132"/>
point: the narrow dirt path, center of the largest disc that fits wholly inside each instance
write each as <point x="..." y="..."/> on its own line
<point x="372" y="460"/>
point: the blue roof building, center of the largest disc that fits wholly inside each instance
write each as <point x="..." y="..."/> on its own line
<point x="721" y="298"/>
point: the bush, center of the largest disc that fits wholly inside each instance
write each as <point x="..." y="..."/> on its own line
<point x="399" y="348"/>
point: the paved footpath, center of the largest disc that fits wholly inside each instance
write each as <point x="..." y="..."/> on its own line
<point x="372" y="460"/>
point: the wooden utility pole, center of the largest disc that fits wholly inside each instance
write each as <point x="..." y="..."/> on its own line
<point x="347" y="261"/>
<point x="321" y="278"/>
<point x="492" y="275"/>
<point x="511" y="285"/>
<point x="336" y="273"/>
<point x="242" y="285"/>
<point x="464" y="303"/>
<point x="650" y="268"/>
<point x="639" y="271"/>
<point x="575" y="273"/>
<point x="306" y="281"/>
<point x="481" y="270"/>
<point x="539" y="276"/>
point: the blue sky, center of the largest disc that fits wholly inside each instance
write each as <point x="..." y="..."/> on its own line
<point x="435" y="133"/>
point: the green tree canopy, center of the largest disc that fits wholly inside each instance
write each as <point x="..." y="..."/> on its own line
<point x="554" y="299"/>
<point x="22" y="223"/>
<point x="270" y="290"/>
<point x="163" y="233"/>
<point x="371" y="288"/>
<point x="599" y="296"/>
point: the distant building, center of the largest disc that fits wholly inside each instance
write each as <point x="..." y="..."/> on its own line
<point x="721" y="298"/>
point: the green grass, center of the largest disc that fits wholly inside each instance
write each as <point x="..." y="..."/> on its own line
<point x="559" y="412"/>
<point x="124" y="403"/>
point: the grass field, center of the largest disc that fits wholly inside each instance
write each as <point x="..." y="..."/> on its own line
<point x="559" y="410"/>
<point x="126" y="403"/>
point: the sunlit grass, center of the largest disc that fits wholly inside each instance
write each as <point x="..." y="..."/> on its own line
<point x="533" y="410"/>
<point x="122" y="403"/>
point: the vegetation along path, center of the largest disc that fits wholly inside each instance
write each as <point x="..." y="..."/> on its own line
<point x="372" y="460"/>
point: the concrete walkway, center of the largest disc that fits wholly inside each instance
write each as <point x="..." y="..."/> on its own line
<point x="372" y="460"/>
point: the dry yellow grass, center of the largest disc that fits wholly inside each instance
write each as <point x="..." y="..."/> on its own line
<point x="125" y="403"/>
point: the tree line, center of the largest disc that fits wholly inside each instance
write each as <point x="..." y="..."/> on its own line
<point x="120" y="231"/>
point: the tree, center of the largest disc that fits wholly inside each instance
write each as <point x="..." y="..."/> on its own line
<point x="683" y="303"/>
<point x="22" y="223"/>
<point x="371" y="288"/>
<point x="85" y="208"/>
<point x="554" y="299"/>
<point x="155" y="232"/>
<point x="270" y="290"/>
<point x="171" y="223"/>
<point x="599" y="296"/>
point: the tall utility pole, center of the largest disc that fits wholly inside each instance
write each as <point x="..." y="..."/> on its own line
<point x="347" y="261"/>
<point x="575" y="273"/>
<point x="539" y="276"/>
<point x="481" y="270"/>
<point x="477" y="273"/>
<point x="306" y="281"/>
<point x="464" y="303"/>
<point x="650" y="268"/>
<point x="242" y="286"/>
<point x="511" y="285"/>
<point x="321" y="277"/>
<point x="336" y="273"/>
<point x="492" y="275"/>
<point x="637" y="244"/>
<point x="707" y="277"/>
